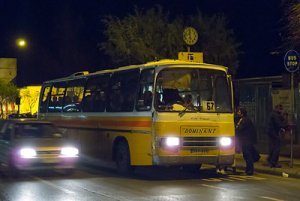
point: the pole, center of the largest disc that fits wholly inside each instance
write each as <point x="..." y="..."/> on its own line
<point x="188" y="48"/>
<point x="293" y="117"/>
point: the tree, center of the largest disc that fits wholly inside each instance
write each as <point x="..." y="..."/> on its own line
<point x="216" y="40"/>
<point x="146" y="36"/>
<point x="142" y="37"/>
<point x="29" y="98"/>
<point x="291" y="23"/>
<point x="8" y="94"/>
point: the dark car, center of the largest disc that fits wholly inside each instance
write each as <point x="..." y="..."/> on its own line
<point x="22" y="116"/>
<point x="34" y="145"/>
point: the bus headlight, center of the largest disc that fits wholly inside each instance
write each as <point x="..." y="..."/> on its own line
<point x="171" y="142"/>
<point x="225" y="141"/>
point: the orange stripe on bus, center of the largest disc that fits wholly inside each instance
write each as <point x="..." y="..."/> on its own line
<point x="104" y="123"/>
<point x="126" y="123"/>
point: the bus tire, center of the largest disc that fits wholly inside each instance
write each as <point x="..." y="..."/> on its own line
<point x="123" y="158"/>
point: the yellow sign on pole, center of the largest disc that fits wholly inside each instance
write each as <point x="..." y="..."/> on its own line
<point x="191" y="56"/>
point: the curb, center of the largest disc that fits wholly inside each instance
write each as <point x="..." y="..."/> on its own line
<point x="261" y="168"/>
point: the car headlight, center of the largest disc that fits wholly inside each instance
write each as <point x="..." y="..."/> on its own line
<point x="171" y="141"/>
<point x="27" y="153"/>
<point x="69" y="152"/>
<point x="225" y="141"/>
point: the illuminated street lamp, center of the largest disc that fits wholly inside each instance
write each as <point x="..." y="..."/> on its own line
<point x="21" y="42"/>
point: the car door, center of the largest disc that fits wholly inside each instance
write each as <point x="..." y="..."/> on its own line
<point x="5" y="142"/>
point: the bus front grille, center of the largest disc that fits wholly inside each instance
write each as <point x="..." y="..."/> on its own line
<point x="200" y="142"/>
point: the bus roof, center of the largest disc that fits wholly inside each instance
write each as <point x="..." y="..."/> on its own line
<point x="163" y="62"/>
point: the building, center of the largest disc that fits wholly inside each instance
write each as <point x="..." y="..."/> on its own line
<point x="259" y="96"/>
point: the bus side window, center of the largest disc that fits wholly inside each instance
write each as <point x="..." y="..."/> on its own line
<point x="122" y="91"/>
<point x="148" y="98"/>
<point x="145" y="91"/>
<point x="74" y="96"/>
<point x="45" y="99"/>
<point x="115" y="100"/>
<point x="87" y="103"/>
<point x="95" y="93"/>
<point x="57" y="93"/>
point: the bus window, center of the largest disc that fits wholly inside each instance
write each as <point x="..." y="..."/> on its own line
<point x="145" y="92"/>
<point x="44" y="99"/>
<point x="208" y="90"/>
<point x="95" y="94"/>
<point x="122" y="91"/>
<point x="222" y="93"/>
<point x="56" y="97"/>
<point x="74" y="95"/>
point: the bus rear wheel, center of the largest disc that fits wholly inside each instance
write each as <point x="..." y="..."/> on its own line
<point x="123" y="159"/>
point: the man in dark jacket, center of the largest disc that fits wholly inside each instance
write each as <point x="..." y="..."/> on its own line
<point x="276" y="125"/>
<point x="246" y="135"/>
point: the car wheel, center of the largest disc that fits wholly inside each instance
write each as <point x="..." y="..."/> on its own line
<point x="123" y="159"/>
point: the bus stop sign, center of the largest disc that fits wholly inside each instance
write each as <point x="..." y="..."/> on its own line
<point x="291" y="61"/>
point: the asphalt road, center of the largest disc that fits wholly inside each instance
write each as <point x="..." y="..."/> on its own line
<point x="170" y="184"/>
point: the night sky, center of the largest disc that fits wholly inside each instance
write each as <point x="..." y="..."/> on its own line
<point x="63" y="34"/>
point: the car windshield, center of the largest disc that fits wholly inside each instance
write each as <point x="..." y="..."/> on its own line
<point x="36" y="130"/>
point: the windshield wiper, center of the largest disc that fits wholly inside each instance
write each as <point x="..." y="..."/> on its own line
<point x="187" y="107"/>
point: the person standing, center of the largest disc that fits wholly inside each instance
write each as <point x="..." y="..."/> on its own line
<point x="246" y="136"/>
<point x="276" y="126"/>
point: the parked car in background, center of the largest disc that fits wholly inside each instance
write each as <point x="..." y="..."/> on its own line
<point x="22" y="116"/>
<point x="27" y="145"/>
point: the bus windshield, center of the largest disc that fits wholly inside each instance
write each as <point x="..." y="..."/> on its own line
<point x="192" y="90"/>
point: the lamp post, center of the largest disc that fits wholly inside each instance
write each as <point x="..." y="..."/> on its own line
<point x="21" y="49"/>
<point x="21" y="45"/>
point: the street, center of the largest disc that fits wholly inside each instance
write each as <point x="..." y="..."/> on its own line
<point x="90" y="183"/>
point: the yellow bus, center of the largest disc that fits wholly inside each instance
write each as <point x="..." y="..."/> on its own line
<point x="161" y="113"/>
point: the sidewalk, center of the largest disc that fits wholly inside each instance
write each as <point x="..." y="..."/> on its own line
<point x="262" y="166"/>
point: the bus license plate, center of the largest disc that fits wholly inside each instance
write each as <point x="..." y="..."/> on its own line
<point x="199" y="150"/>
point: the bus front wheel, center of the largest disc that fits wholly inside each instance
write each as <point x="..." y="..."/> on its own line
<point x="123" y="158"/>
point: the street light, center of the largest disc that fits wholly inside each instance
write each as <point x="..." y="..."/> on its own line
<point x="21" y="42"/>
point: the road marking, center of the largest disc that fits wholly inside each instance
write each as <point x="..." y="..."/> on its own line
<point x="53" y="185"/>
<point x="214" y="187"/>
<point x="234" y="178"/>
<point x="254" y="178"/>
<point x="238" y="178"/>
<point x="213" y="180"/>
<point x="226" y="179"/>
<point x="270" y="198"/>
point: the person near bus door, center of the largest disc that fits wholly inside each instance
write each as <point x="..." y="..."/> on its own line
<point x="246" y="135"/>
<point x="276" y="126"/>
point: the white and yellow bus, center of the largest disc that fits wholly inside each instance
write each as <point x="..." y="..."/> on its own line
<point x="162" y="113"/>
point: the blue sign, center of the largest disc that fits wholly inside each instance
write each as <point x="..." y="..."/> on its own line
<point x="292" y="61"/>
